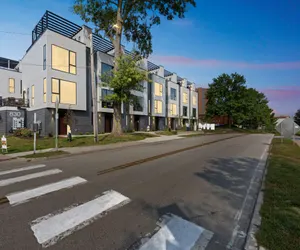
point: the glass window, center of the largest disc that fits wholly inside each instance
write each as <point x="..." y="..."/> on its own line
<point x="67" y="92"/>
<point x="11" y="85"/>
<point x="21" y="87"/>
<point x="138" y="106"/>
<point x="45" y="90"/>
<point x="185" y="111"/>
<point x="158" y="89"/>
<point x="63" y="60"/>
<point x="106" y="68"/>
<point x="44" y="57"/>
<point x="32" y="95"/>
<point x="173" y="109"/>
<point x="173" y="94"/>
<point x="185" y="97"/>
<point x="194" y="112"/>
<point x="158" y="107"/>
<point x="194" y="101"/>
<point x="105" y="103"/>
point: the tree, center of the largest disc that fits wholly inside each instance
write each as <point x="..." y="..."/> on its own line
<point x="124" y="82"/>
<point x="225" y="97"/>
<point x="131" y="19"/>
<point x="297" y="117"/>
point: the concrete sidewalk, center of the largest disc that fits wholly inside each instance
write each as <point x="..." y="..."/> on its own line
<point x="87" y="149"/>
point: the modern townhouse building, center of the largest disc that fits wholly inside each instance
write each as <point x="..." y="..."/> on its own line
<point x="56" y="66"/>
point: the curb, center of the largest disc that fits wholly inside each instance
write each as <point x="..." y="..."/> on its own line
<point x="251" y="242"/>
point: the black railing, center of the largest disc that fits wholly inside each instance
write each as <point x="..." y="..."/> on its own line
<point x="13" y="102"/>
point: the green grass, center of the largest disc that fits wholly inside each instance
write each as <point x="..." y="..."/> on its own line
<point x="166" y="132"/>
<point x="17" y="144"/>
<point x="280" y="228"/>
<point x="46" y="154"/>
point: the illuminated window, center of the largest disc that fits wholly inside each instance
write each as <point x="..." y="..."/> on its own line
<point x="45" y="90"/>
<point x="185" y="98"/>
<point x="63" y="60"/>
<point x="11" y="85"/>
<point x="32" y="95"/>
<point x="65" y="91"/>
<point x="173" y="109"/>
<point x="158" y="107"/>
<point x="194" y="101"/>
<point x="158" y="89"/>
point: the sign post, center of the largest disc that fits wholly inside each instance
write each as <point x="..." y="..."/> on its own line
<point x="56" y="123"/>
<point x="4" y="144"/>
<point x="34" y="133"/>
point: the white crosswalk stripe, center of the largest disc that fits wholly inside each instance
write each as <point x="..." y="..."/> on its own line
<point x="21" y="197"/>
<point x="51" y="228"/>
<point x="22" y="169"/>
<point x="28" y="177"/>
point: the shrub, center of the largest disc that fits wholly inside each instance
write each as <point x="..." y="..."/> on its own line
<point x="87" y="133"/>
<point x="50" y="134"/>
<point x="23" y="132"/>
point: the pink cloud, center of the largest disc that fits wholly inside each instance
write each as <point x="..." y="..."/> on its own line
<point x="187" y="61"/>
<point x="284" y="93"/>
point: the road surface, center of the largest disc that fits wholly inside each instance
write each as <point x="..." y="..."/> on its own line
<point x="191" y="194"/>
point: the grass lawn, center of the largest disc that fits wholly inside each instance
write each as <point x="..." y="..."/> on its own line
<point x="17" y="144"/>
<point x="280" y="228"/>
<point x="46" y="154"/>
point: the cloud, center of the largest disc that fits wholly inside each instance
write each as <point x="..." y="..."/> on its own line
<point x="187" y="61"/>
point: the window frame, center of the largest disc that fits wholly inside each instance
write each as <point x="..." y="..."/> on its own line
<point x="173" y="112"/>
<point x="32" y="95"/>
<point x="138" y="107"/>
<point x="45" y="90"/>
<point x="184" y="108"/>
<point x="160" y="89"/>
<point x="59" y="91"/>
<point x="13" y="87"/>
<point x="194" y="100"/>
<point x="194" y="112"/>
<point x="69" y="63"/>
<point x="156" y="107"/>
<point x="185" y="100"/>
<point x="44" y="56"/>
<point x="104" y="103"/>
<point x="175" y="96"/>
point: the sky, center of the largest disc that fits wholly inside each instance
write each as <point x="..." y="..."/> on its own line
<point x="257" y="38"/>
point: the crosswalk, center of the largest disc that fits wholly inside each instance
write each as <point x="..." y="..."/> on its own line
<point x="54" y="227"/>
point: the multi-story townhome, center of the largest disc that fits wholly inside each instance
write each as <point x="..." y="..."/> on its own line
<point x="193" y="105"/>
<point x="12" y="100"/>
<point x="173" y="99"/>
<point x="57" y="67"/>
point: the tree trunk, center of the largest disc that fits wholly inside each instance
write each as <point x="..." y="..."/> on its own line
<point x="117" y="120"/>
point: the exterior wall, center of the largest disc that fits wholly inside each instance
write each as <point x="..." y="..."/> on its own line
<point x="7" y="115"/>
<point x="161" y="80"/>
<point x="173" y="85"/>
<point x="201" y="101"/>
<point x="33" y="61"/>
<point x="5" y="74"/>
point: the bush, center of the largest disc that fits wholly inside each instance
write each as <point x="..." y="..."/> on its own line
<point x="23" y="132"/>
<point x="87" y="133"/>
<point x="50" y="135"/>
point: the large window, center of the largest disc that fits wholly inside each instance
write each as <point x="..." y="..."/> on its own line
<point x="106" y="103"/>
<point x="185" y="97"/>
<point x="138" y="105"/>
<point x="44" y="57"/>
<point x="106" y="68"/>
<point x="185" y="111"/>
<point x="173" y="109"/>
<point x="173" y="94"/>
<point x="11" y="85"/>
<point x="194" y="112"/>
<point x="63" y="60"/>
<point x="158" y="107"/>
<point x="32" y="95"/>
<point x="158" y="89"/>
<point x="45" y="90"/>
<point x="194" y="100"/>
<point x="65" y="91"/>
<point x="21" y="87"/>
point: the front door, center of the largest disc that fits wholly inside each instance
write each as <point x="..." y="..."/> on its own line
<point x="136" y="123"/>
<point x="62" y="126"/>
<point x="108" y="123"/>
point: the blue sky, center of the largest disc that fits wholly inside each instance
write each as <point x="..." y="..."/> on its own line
<point x="259" y="39"/>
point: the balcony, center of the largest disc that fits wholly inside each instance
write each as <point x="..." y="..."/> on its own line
<point x="13" y="102"/>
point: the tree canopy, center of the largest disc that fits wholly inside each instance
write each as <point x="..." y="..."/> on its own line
<point x="229" y="96"/>
<point x="297" y="117"/>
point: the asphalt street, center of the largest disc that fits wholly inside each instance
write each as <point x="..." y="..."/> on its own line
<point x="203" y="196"/>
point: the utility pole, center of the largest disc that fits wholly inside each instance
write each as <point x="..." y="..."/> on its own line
<point x="94" y="92"/>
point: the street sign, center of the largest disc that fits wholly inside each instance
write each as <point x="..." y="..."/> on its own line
<point x="287" y="128"/>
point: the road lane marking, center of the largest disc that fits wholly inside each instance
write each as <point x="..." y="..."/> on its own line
<point x="177" y="233"/>
<point x="28" y="177"/>
<point x="51" y="228"/>
<point x="21" y="169"/>
<point x="21" y="197"/>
